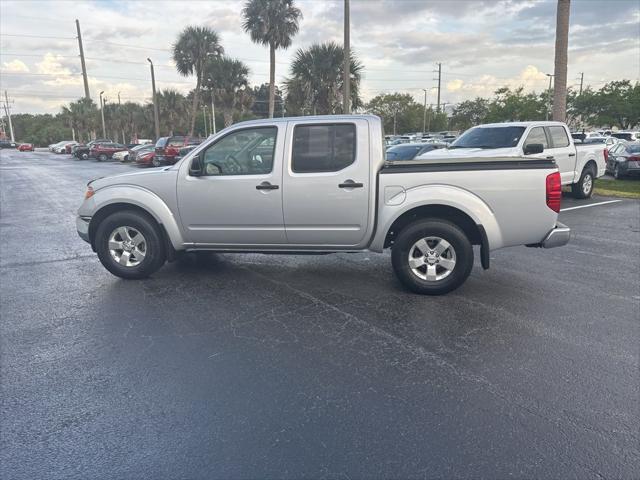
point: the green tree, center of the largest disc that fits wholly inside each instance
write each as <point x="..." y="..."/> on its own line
<point x="260" y="107"/>
<point x="226" y="78"/>
<point x="315" y="82"/>
<point x="172" y="110"/>
<point x="400" y="112"/>
<point x="515" y="105"/>
<point x="194" y="48"/>
<point x="469" y="113"/>
<point x="273" y="23"/>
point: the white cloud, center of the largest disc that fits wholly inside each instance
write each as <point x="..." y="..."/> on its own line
<point x="15" y="66"/>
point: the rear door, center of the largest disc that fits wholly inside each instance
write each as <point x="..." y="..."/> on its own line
<point x="563" y="152"/>
<point x="326" y="182"/>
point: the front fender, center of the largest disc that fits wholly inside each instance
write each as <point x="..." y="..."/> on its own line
<point x="436" y="194"/>
<point x="140" y="197"/>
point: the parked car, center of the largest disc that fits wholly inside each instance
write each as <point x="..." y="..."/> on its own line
<point x="579" y="164"/>
<point x="146" y="158"/>
<point x="104" y="151"/>
<point x="628" y="136"/>
<point x="8" y="144"/>
<point x="26" y="147"/>
<point x="247" y="189"/>
<point x="62" y="146"/>
<point x="69" y="147"/>
<point x="81" y="151"/>
<point x="130" y="153"/>
<point x="408" y="151"/>
<point x="54" y="146"/>
<point x="168" y="148"/>
<point x="624" y="159"/>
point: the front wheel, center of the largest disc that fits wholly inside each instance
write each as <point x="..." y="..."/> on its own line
<point x="129" y="245"/>
<point x="155" y="161"/>
<point x="584" y="187"/>
<point x="102" y="157"/>
<point x="432" y="257"/>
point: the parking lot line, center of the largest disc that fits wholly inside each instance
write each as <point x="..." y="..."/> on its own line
<point x="590" y="205"/>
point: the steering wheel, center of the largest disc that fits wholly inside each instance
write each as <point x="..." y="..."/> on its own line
<point x="233" y="158"/>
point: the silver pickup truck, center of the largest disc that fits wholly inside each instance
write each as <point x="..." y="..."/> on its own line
<point x="319" y="185"/>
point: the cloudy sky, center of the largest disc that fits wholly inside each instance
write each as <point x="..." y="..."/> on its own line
<point x="482" y="45"/>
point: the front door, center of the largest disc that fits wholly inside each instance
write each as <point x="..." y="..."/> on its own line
<point x="563" y="153"/>
<point x="237" y="202"/>
<point x="326" y="183"/>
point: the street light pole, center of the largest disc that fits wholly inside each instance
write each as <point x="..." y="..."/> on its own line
<point x="104" y="130"/>
<point x="424" y="116"/>
<point x="156" y="118"/>
<point x="549" y="94"/>
<point x="346" y="79"/>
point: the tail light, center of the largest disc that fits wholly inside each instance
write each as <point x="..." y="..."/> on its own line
<point x="634" y="158"/>
<point x="606" y="154"/>
<point x="554" y="191"/>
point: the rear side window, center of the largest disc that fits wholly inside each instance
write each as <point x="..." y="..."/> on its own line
<point x="559" y="137"/>
<point x="323" y="148"/>
<point x="537" y="135"/>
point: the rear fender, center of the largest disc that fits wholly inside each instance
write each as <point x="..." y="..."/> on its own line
<point x="426" y="195"/>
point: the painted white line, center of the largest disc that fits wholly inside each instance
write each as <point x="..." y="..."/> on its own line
<point x="590" y="205"/>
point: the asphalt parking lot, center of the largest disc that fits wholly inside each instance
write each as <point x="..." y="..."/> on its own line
<point x="263" y="366"/>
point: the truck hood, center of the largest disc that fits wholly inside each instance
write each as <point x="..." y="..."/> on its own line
<point x="469" y="152"/>
<point x="133" y="178"/>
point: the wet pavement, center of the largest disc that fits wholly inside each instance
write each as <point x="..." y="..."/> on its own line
<point x="263" y="366"/>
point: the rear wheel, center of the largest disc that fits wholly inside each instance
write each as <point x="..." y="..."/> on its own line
<point x="155" y="161"/>
<point x="129" y="245"/>
<point x="432" y="257"/>
<point x="102" y="157"/>
<point x="583" y="188"/>
<point x="84" y="156"/>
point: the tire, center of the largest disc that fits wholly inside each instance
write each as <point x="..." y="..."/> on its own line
<point x="155" y="161"/>
<point x="125" y="159"/>
<point x="102" y="157"/>
<point x="583" y="188"/>
<point x="84" y="156"/>
<point x="143" y="259"/>
<point x="432" y="232"/>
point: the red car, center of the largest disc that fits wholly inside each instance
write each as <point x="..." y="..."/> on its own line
<point x="168" y="148"/>
<point x="146" y="158"/>
<point x="104" y="151"/>
<point x="26" y="147"/>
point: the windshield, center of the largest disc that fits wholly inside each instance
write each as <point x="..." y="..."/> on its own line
<point x="489" y="137"/>
<point x="403" y="152"/>
<point x="634" y="148"/>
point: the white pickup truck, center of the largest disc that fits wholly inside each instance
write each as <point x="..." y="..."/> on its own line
<point x="321" y="185"/>
<point x="579" y="165"/>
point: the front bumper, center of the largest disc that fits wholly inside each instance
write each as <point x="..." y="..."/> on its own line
<point x="557" y="237"/>
<point x="82" y="225"/>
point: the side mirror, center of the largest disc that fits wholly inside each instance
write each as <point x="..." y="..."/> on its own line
<point x="195" y="169"/>
<point x="533" y="148"/>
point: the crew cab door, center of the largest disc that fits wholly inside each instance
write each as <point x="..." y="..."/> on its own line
<point x="326" y="182"/>
<point x="563" y="151"/>
<point x="237" y="201"/>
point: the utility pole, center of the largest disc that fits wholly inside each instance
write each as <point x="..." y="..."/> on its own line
<point x="346" y="79"/>
<point x="104" y="130"/>
<point x="581" y="82"/>
<point x="204" y="117"/>
<point x="84" y="67"/>
<point x="7" y="109"/>
<point x="424" y="115"/>
<point x="549" y="95"/>
<point x="213" y="115"/>
<point x="439" y="83"/>
<point x="120" y="113"/>
<point x="156" y="117"/>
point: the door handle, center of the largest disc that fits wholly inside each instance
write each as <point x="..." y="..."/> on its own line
<point x="572" y="154"/>
<point x="267" y="186"/>
<point x="350" y="184"/>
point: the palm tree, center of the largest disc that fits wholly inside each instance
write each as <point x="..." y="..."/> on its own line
<point x="226" y="77"/>
<point x="316" y="79"/>
<point x="560" y="68"/>
<point x="172" y="106"/>
<point x="195" y="46"/>
<point x="272" y="23"/>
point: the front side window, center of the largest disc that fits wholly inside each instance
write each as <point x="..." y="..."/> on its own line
<point x="323" y="148"/>
<point x="244" y="152"/>
<point x="559" y="137"/>
<point x="537" y="135"/>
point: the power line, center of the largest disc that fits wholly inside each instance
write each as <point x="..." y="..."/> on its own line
<point x="35" y="36"/>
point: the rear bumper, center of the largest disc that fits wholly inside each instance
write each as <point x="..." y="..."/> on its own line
<point x="557" y="237"/>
